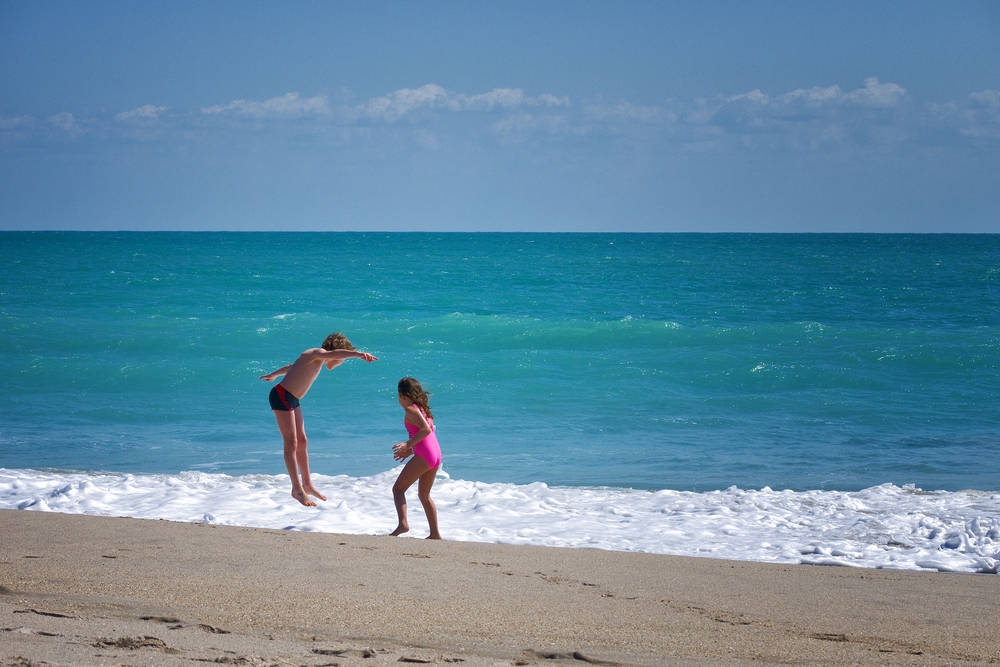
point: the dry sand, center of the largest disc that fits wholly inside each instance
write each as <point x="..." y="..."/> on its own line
<point x="110" y="591"/>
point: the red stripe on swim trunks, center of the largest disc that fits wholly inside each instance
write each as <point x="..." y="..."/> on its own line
<point x="281" y="395"/>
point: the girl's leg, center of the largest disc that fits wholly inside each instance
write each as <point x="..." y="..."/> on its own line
<point x="412" y="471"/>
<point x="302" y="455"/>
<point x="289" y="430"/>
<point x="424" y="493"/>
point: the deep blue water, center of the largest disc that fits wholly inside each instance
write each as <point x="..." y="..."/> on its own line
<point x="678" y="361"/>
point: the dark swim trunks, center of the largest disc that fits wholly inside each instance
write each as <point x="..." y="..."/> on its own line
<point x="282" y="399"/>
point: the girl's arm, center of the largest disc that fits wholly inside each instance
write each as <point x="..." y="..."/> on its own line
<point x="276" y="374"/>
<point x="403" y="449"/>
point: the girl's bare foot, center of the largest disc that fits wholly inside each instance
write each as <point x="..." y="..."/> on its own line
<point x="400" y="529"/>
<point x="301" y="496"/>
<point x="433" y="537"/>
<point x="311" y="490"/>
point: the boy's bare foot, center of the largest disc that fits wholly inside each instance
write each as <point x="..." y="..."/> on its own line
<point x="433" y="537"/>
<point x="400" y="529"/>
<point x="311" y="490"/>
<point x="301" y="496"/>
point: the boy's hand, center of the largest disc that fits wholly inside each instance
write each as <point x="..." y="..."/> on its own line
<point x="269" y="377"/>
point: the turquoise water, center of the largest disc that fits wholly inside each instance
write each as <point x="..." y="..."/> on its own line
<point x="674" y="361"/>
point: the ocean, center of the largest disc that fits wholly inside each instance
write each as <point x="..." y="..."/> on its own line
<point x="820" y="398"/>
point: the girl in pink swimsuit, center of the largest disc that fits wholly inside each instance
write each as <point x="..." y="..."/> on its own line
<point x="423" y="445"/>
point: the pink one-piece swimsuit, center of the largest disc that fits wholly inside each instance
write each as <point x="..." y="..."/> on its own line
<point x="428" y="449"/>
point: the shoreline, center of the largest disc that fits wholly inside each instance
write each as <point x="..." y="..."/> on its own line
<point x="78" y="589"/>
<point x="879" y="527"/>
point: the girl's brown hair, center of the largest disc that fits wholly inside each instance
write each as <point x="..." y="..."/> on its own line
<point x="410" y="388"/>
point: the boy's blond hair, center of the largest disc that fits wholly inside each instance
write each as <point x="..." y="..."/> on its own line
<point x="337" y="341"/>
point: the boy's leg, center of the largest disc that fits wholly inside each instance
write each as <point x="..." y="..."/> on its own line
<point x="286" y="424"/>
<point x="430" y="509"/>
<point x="302" y="455"/>
<point x="412" y="471"/>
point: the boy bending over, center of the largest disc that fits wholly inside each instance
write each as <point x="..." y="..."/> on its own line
<point x="285" y="396"/>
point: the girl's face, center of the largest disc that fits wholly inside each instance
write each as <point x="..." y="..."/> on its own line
<point x="404" y="402"/>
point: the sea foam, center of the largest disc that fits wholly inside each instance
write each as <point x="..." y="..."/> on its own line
<point x="880" y="527"/>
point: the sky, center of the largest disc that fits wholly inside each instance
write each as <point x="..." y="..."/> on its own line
<point x="500" y="116"/>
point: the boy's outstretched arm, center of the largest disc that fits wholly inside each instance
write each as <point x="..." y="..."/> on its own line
<point x="275" y="374"/>
<point x="340" y="355"/>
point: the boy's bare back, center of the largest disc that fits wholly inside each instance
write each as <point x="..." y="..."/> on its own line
<point x="300" y="374"/>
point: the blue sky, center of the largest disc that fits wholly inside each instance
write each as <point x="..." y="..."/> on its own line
<point x="468" y="116"/>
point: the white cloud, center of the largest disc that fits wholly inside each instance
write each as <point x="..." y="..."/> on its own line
<point x="289" y="105"/>
<point x="394" y="106"/>
<point x="14" y="122"/>
<point x="814" y="96"/>
<point x="147" y="111"/>
<point x="810" y="116"/>
<point x="505" y="98"/>
<point x="877" y="95"/>
<point x="988" y="99"/>
<point x="15" y="128"/>
<point x="388" y="108"/>
<point x="875" y="113"/>
<point x="753" y="96"/>
<point x="874" y="95"/>
<point x="65" y="121"/>
<point x="804" y="118"/>
<point x="982" y="117"/>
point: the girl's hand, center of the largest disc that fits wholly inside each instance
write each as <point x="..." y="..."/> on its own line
<point x="400" y="451"/>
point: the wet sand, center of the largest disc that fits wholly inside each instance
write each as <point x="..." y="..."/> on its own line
<point x="80" y="590"/>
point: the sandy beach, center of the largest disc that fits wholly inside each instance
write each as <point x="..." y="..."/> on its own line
<point x="82" y="590"/>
